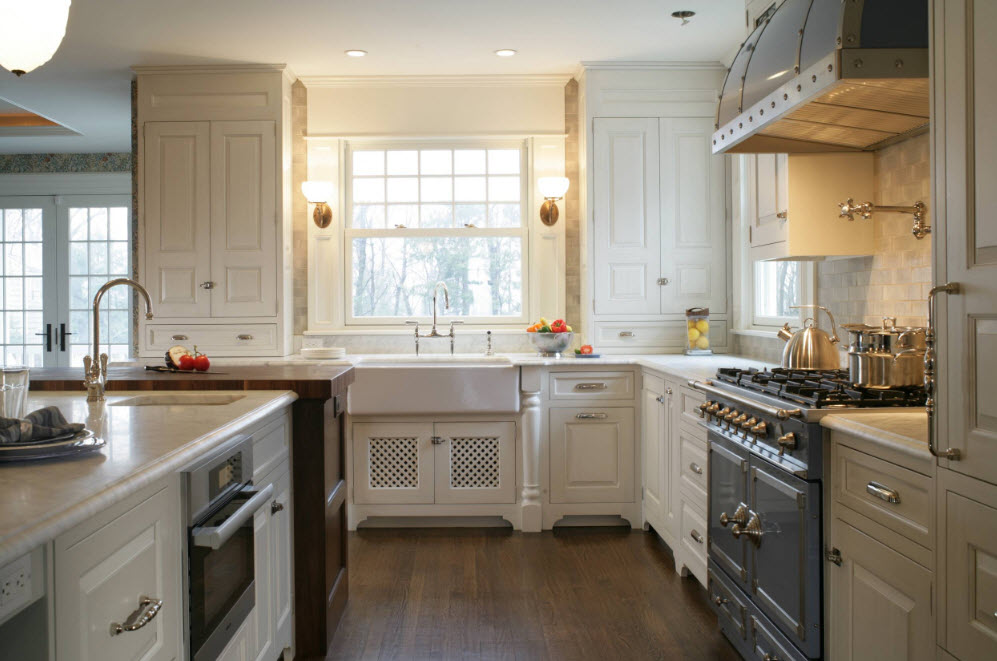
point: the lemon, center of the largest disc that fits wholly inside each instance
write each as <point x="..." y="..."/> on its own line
<point x="703" y="326"/>
<point x="692" y="323"/>
<point x="694" y="334"/>
<point x="703" y="342"/>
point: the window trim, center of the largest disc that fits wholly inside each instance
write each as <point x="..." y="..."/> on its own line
<point x="348" y="233"/>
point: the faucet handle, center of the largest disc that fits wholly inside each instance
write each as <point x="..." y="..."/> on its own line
<point x="103" y="364"/>
<point x="87" y="364"/>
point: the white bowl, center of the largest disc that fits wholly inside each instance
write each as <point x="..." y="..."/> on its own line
<point x="551" y="345"/>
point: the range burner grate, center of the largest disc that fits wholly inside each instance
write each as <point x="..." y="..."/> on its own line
<point x="819" y="389"/>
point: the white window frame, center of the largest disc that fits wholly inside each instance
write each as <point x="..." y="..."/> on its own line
<point x="349" y="233"/>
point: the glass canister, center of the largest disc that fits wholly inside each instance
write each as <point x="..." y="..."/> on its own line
<point x="698" y="327"/>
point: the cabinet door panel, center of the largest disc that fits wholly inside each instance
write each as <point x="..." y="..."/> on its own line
<point x="475" y="462"/>
<point x="768" y="197"/>
<point x="177" y="217"/>
<point x="592" y="455"/>
<point x="655" y="479"/>
<point x="281" y="562"/>
<point x="880" y="601"/>
<point x="261" y="643"/>
<point x="100" y="579"/>
<point x="970" y="591"/>
<point x="243" y="219"/>
<point x="393" y="462"/>
<point x="693" y="218"/>
<point x="626" y="216"/>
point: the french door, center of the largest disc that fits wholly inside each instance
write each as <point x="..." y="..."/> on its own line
<point x="56" y="252"/>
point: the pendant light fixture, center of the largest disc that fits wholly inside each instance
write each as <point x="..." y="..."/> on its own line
<point x="31" y="32"/>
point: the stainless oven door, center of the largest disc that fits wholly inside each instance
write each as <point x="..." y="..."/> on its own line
<point x="222" y="572"/>
<point x="785" y="545"/>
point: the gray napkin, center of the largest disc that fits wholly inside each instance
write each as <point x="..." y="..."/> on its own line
<point x="37" y="426"/>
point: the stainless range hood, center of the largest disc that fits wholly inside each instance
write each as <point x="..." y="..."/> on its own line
<point x="828" y="76"/>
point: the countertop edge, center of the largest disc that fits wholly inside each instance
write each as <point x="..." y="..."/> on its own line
<point x="47" y="529"/>
<point x="849" y="423"/>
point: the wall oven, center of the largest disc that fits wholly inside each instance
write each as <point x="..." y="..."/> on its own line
<point x="221" y="504"/>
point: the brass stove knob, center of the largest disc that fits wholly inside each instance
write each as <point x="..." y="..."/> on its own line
<point x="712" y="408"/>
<point x="703" y="407"/>
<point x="761" y="429"/>
<point x="786" y="442"/>
<point x="739" y="420"/>
<point x="733" y="414"/>
<point x="747" y="425"/>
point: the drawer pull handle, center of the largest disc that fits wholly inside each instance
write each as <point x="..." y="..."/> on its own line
<point x="720" y="601"/>
<point x="628" y="334"/>
<point x="148" y="608"/>
<point x="696" y="536"/>
<point x="592" y="416"/>
<point x="770" y="657"/>
<point x="696" y="468"/>
<point x="882" y="492"/>
<point x="178" y="338"/>
<point x="244" y="336"/>
<point x="590" y="386"/>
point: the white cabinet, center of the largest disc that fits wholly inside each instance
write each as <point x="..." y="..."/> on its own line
<point x="592" y="455"/>
<point x="442" y="463"/>
<point x="790" y="204"/>
<point x="123" y="563"/>
<point x="261" y="634"/>
<point x="654" y="454"/>
<point x="880" y="600"/>
<point x="240" y="647"/>
<point x="213" y="196"/>
<point x="271" y="629"/>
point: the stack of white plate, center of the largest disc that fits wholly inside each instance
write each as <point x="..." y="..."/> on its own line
<point x="325" y="353"/>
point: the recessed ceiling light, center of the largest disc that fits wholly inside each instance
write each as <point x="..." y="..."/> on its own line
<point x="356" y="53"/>
<point x="505" y="52"/>
<point x="683" y="14"/>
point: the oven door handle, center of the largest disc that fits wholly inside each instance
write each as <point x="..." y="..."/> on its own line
<point x="214" y="536"/>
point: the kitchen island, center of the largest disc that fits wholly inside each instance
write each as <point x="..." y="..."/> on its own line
<point x="318" y="471"/>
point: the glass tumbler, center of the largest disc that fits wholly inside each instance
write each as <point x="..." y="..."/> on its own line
<point x="13" y="391"/>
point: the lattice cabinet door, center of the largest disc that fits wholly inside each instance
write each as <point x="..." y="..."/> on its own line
<point x="393" y="463"/>
<point x="475" y="462"/>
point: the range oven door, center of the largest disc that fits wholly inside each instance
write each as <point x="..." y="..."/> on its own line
<point x="728" y="500"/>
<point x="222" y="572"/>
<point x="785" y="544"/>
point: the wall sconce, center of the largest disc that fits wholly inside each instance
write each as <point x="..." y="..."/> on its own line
<point x="920" y="228"/>
<point x="552" y="189"/>
<point x="319" y="193"/>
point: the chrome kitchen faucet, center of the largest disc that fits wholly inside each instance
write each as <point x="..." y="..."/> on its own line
<point x="433" y="332"/>
<point x="95" y="366"/>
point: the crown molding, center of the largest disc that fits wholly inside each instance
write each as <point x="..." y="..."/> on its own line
<point x="485" y="80"/>
<point x="215" y="68"/>
<point x="645" y="65"/>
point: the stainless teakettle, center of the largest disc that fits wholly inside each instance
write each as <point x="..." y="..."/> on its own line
<point x="810" y="348"/>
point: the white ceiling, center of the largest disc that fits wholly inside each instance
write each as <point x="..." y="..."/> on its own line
<point x="86" y="85"/>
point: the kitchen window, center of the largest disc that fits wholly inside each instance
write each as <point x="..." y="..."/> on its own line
<point x="56" y="253"/>
<point x="776" y="287"/>
<point x="418" y="214"/>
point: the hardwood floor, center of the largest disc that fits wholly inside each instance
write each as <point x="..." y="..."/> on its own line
<point x="495" y="594"/>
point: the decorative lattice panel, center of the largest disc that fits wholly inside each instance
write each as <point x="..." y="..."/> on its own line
<point x="394" y="463"/>
<point x="474" y="462"/>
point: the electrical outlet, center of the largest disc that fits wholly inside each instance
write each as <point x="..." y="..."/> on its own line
<point x="15" y="585"/>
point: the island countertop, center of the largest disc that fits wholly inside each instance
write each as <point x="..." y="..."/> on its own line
<point x="44" y="498"/>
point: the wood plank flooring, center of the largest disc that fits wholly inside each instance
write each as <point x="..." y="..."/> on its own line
<point x="481" y="594"/>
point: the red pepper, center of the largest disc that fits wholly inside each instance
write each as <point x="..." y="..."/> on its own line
<point x="559" y="326"/>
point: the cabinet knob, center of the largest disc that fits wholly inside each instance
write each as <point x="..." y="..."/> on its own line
<point x="662" y="281"/>
<point x="668" y="391"/>
<point x="696" y="536"/>
<point x="276" y="507"/>
<point x="782" y="215"/>
<point x="207" y="285"/>
<point x="696" y="468"/>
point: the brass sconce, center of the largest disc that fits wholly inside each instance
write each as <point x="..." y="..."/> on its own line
<point x="319" y="193"/>
<point x="553" y="190"/>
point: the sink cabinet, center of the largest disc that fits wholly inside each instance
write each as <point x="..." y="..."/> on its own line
<point x="592" y="455"/>
<point x="445" y="463"/>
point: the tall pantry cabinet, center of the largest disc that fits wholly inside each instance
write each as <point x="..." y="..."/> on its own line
<point x="654" y="203"/>
<point x="214" y="208"/>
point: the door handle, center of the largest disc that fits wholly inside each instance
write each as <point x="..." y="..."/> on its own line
<point x="883" y="492"/>
<point x="214" y="536"/>
<point x="753" y="529"/>
<point x="592" y="416"/>
<point x="48" y="337"/>
<point x="62" y="337"/>
<point x="148" y="608"/>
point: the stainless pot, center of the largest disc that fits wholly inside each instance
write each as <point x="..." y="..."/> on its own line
<point x="810" y="348"/>
<point x="887" y="356"/>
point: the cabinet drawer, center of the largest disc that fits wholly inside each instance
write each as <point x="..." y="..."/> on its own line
<point x="214" y="340"/>
<point x="688" y="403"/>
<point x="726" y="601"/>
<point x="693" y="477"/>
<point x="658" y="334"/>
<point x="270" y="446"/>
<point x="868" y="485"/>
<point x="693" y="539"/>
<point x="592" y="385"/>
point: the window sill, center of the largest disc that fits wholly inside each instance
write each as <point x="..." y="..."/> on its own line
<point x="757" y="332"/>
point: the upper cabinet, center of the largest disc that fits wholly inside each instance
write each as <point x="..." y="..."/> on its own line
<point x="213" y="186"/>
<point x="655" y="208"/>
<point x="790" y="204"/>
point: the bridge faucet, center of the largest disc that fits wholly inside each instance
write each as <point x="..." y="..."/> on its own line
<point x="95" y="366"/>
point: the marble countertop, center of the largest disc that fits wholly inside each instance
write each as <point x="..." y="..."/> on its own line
<point x="42" y="499"/>
<point x="903" y="430"/>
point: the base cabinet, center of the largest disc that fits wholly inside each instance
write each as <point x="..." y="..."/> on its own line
<point x="119" y="562"/>
<point x="654" y="455"/>
<point x="592" y="455"/>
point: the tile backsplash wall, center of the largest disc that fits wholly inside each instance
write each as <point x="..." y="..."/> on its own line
<point x="895" y="280"/>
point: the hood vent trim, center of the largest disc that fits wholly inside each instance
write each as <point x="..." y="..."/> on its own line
<point x="850" y="99"/>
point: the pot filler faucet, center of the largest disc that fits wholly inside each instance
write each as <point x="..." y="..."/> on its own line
<point x="95" y="366"/>
<point x="433" y="332"/>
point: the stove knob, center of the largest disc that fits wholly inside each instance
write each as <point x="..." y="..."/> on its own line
<point x="712" y="408"/>
<point x="732" y="414"/>
<point x="703" y="407"/>
<point x="761" y="429"/>
<point x="786" y="442"/>
<point x="747" y="425"/>
<point x="739" y="420"/>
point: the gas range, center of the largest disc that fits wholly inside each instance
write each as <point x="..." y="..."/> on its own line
<point x="766" y="463"/>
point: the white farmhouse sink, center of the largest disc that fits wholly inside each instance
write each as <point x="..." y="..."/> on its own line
<point x="425" y="385"/>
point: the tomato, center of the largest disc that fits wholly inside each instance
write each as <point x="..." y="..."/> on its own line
<point x="201" y="363"/>
<point x="586" y="349"/>
<point x="186" y="362"/>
